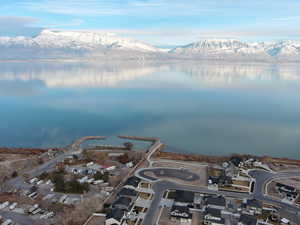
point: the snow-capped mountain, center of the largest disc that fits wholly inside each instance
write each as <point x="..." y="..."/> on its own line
<point x="57" y="44"/>
<point x="71" y="43"/>
<point x="86" y="40"/>
<point x="228" y="48"/>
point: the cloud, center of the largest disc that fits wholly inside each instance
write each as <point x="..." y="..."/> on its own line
<point x="16" y="25"/>
<point x="17" y="21"/>
<point x="114" y="7"/>
<point x="288" y="18"/>
<point x="173" y="37"/>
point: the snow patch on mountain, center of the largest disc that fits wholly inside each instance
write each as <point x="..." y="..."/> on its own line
<point x="236" y="47"/>
<point x="84" y="40"/>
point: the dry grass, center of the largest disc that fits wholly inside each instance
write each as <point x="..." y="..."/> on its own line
<point x="241" y="182"/>
<point x="214" y="172"/>
<point x="165" y="218"/>
<point x="237" y="189"/>
<point x="81" y="212"/>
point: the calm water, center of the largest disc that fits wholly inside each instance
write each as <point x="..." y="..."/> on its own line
<point x="212" y="108"/>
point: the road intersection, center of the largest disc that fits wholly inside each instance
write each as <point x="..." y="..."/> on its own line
<point x="160" y="186"/>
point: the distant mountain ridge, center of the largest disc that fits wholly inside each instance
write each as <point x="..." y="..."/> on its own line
<point x="86" y="40"/>
<point x="230" y="47"/>
<point x="96" y="44"/>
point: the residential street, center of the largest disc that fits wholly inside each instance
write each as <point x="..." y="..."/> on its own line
<point x="262" y="178"/>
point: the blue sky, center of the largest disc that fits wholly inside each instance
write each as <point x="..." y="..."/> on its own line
<point x="159" y="22"/>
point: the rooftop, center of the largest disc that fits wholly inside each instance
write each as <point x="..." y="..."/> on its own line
<point x="132" y="181"/>
<point x="285" y="187"/>
<point x="248" y="220"/>
<point x="253" y="203"/>
<point x="216" y="200"/>
<point x="116" y="214"/>
<point x="124" y="201"/>
<point x="184" y="196"/>
<point x="181" y="211"/>
<point x="213" y="212"/>
<point x="214" y="216"/>
<point x="127" y="192"/>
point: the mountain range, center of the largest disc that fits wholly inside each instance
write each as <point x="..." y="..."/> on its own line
<point x="57" y="44"/>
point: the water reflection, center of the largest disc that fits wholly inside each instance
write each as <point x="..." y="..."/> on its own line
<point x="74" y="74"/>
<point x="92" y="74"/>
<point x="199" y="107"/>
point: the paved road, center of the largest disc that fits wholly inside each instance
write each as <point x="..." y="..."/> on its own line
<point x="262" y="177"/>
<point x="161" y="187"/>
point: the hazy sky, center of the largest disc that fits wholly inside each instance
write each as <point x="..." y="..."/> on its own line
<point x="159" y="22"/>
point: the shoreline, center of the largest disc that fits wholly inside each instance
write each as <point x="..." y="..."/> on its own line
<point x="193" y="157"/>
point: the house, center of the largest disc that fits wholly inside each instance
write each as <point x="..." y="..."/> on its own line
<point x="213" y="217"/>
<point x="123" y="203"/>
<point x="132" y="182"/>
<point x="215" y="202"/>
<point x="115" y="216"/>
<point x="181" y="213"/>
<point x="129" y="164"/>
<point x="198" y="200"/>
<point x="247" y="220"/>
<point x="222" y="180"/>
<point x="213" y="180"/>
<point x="127" y="192"/>
<point x="235" y="160"/>
<point x="252" y="207"/>
<point x="285" y="188"/>
<point x="287" y="191"/>
<point x="184" y="198"/>
<point x="225" y="180"/>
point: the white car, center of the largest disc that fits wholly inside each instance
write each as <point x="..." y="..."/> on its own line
<point x="39" y="182"/>
<point x="63" y="198"/>
<point x="33" y="195"/>
<point x="7" y="222"/>
<point x="36" y="211"/>
<point x="13" y="206"/>
<point x="4" y="205"/>
<point x="33" y="180"/>
<point x="34" y="207"/>
<point x="49" y="215"/>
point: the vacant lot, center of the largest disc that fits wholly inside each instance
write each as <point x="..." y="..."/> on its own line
<point x="165" y="218"/>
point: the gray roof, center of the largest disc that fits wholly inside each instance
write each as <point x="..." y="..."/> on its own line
<point x="286" y="188"/>
<point x="133" y="181"/>
<point x="122" y="201"/>
<point x="215" y="216"/>
<point x="116" y="214"/>
<point x="181" y="212"/>
<point x="212" y="212"/>
<point x="184" y="196"/>
<point x="248" y="220"/>
<point x="127" y="192"/>
<point x="254" y="203"/>
<point x="216" y="200"/>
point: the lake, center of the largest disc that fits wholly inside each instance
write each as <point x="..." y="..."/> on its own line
<point x="195" y="107"/>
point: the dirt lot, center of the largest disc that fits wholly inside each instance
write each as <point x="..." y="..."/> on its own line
<point x="165" y="219"/>
<point x="197" y="218"/>
<point x="16" y="198"/>
<point x="13" y="162"/>
<point x="279" y="167"/>
<point x="294" y="182"/>
<point x="97" y="220"/>
<point x="241" y="182"/>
